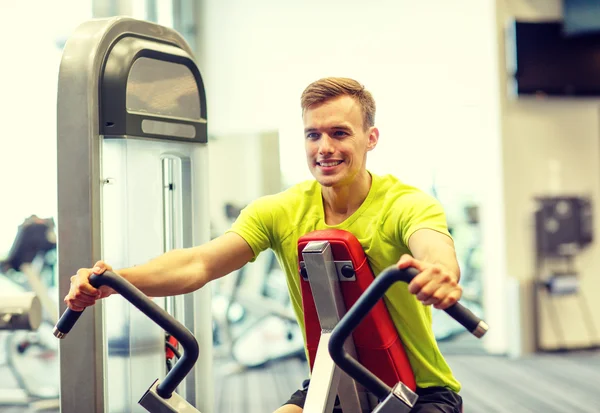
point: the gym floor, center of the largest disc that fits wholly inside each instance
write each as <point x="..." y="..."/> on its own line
<point x="543" y="383"/>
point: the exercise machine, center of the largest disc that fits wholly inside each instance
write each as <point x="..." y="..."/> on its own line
<point x="28" y="263"/>
<point x="31" y="358"/>
<point x="336" y="370"/>
<point x="20" y="312"/>
<point x="160" y="396"/>
<point x="563" y="229"/>
<point x="468" y="233"/>
<point x="254" y="320"/>
<point x="335" y="275"/>
<point x="264" y="313"/>
<point x="400" y="398"/>
<point x="131" y="103"/>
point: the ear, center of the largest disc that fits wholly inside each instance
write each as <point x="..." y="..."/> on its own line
<point x="373" y="138"/>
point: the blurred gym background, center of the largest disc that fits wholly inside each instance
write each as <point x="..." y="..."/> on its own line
<point x="491" y="106"/>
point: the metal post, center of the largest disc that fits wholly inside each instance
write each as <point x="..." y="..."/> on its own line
<point x="327" y="379"/>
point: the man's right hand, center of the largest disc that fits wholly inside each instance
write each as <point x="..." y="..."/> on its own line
<point x="81" y="293"/>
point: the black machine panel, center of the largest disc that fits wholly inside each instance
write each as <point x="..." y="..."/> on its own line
<point x="563" y="225"/>
<point x="151" y="89"/>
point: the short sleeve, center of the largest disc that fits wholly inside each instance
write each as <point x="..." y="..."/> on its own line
<point x="254" y="226"/>
<point x="418" y="211"/>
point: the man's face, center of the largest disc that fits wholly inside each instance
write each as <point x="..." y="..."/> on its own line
<point x="336" y="142"/>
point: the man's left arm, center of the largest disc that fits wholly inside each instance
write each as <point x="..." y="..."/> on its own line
<point x="433" y="254"/>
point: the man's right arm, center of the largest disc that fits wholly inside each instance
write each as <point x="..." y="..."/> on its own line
<point x="175" y="272"/>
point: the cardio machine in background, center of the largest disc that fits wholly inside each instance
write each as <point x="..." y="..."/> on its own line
<point x="467" y="238"/>
<point x="254" y="323"/>
<point x="31" y="355"/>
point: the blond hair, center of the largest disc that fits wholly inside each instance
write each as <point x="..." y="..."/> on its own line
<point x="331" y="87"/>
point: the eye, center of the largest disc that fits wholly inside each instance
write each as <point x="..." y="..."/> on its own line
<point x="340" y="133"/>
<point x="312" y="135"/>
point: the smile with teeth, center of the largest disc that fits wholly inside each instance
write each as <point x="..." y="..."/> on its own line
<point x="329" y="163"/>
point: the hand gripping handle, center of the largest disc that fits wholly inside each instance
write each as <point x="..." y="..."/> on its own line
<point x="358" y="312"/>
<point x="156" y="314"/>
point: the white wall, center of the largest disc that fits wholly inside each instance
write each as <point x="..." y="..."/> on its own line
<point x="550" y="146"/>
<point x="32" y="31"/>
<point x="242" y="167"/>
<point x="431" y="65"/>
<point x="424" y="61"/>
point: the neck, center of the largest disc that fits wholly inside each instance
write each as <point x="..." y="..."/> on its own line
<point x="341" y="202"/>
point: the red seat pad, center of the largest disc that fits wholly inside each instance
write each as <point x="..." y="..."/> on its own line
<point x="376" y="339"/>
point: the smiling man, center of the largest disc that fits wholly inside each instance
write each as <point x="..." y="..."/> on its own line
<point x="394" y="222"/>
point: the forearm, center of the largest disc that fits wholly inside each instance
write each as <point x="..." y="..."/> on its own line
<point x="435" y="248"/>
<point x="444" y="255"/>
<point x="173" y="273"/>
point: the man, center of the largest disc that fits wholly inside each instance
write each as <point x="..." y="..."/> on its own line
<point x="394" y="222"/>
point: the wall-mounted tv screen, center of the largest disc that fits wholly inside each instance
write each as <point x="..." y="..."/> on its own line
<point x="543" y="60"/>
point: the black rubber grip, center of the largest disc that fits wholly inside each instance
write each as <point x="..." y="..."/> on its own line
<point x="464" y="316"/>
<point x="67" y="321"/>
<point x="358" y="312"/>
<point x="155" y="313"/>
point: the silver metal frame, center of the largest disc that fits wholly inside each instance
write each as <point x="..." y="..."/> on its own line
<point x="83" y="355"/>
<point x="328" y="380"/>
<point x="400" y="400"/>
<point x="152" y="402"/>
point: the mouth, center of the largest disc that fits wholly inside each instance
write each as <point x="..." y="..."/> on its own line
<point x="328" y="164"/>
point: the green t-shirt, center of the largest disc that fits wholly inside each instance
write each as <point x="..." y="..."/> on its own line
<point x="384" y="222"/>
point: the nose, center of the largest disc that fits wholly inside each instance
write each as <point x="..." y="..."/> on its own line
<point x="325" y="145"/>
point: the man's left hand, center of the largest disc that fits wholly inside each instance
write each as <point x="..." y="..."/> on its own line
<point x="434" y="285"/>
